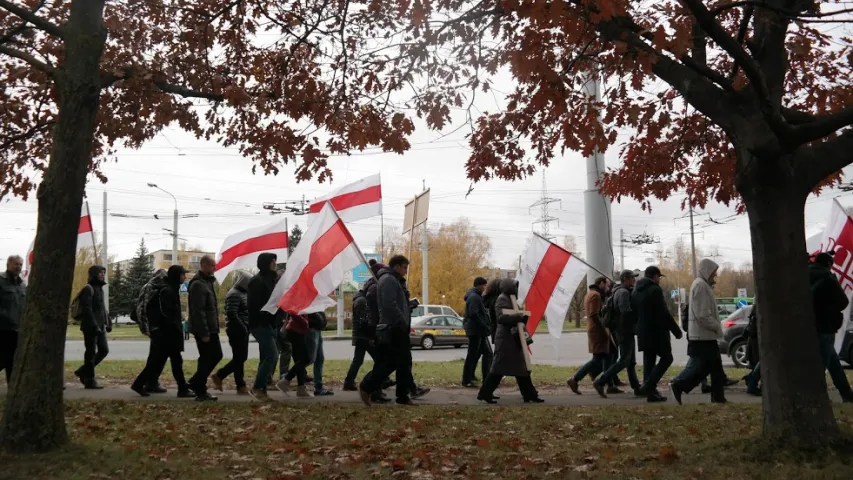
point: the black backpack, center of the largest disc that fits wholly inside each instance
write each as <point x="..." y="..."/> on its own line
<point x="685" y="316"/>
<point x="610" y="316"/>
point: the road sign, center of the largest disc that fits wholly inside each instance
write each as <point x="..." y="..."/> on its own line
<point x="742" y="303"/>
<point x="741" y="293"/>
<point x="361" y="274"/>
<point x="673" y="294"/>
<point x="183" y="288"/>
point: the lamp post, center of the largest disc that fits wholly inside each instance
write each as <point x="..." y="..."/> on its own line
<point x="175" y="226"/>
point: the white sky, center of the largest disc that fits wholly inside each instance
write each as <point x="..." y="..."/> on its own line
<point x="217" y="184"/>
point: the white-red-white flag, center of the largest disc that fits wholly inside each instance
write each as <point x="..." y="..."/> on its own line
<point x="241" y="249"/>
<point x="547" y="282"/>
<point x="85" y="239"/>
<point x="838" y="237"/>
<point x="355" y="201"/>
<point x="317" y="266"/>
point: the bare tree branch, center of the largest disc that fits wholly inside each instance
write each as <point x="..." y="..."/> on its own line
<point x="31" y="17"/>
<point x="741" y="35"/>
<point x="31" y="60"/>
<point x="821" y="127"/>
<point x="824" y="159"/>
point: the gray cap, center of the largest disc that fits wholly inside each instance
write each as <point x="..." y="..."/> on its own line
<point x="626" y="274"/>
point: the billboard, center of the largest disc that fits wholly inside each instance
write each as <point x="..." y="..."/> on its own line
<point x="360" y="274"/>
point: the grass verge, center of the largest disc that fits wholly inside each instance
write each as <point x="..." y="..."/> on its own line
<point x="187" y="441"/>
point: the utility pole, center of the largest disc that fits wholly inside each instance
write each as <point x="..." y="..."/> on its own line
<point x="425" y="256"/>
<point x="599" y="237"/>
<point x="692" y="240"/>
<point x="622" y="249"/>
<point x="105" y="259"/>
<point x="175" y="260"/>
<point x="295" y="207"/>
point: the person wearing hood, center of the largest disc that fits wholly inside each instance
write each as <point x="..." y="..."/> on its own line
<point x="262" y="324"/>
<point x="164" y="322"/>
<point x="13" y="294"/>
<point x="237" y="329"/>
<point x="829" y="301"/>
<point x="598" y="339"/>
<point x="204" y="324"/>
<point x="364" y="336"/>
<point x="654" y="325"/>
<point x="392" y="334"/>
<point x="490" y="296"/>
<point x="703" y="331"/>
<point x="139" y="314"/>
<point x="509" y="357"/>
<point x="477" y="327"/>
<point x="94" y="324"/>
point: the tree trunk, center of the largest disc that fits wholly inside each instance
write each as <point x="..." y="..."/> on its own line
<point x="797" y="409"/>
<point x="34" y="418"/>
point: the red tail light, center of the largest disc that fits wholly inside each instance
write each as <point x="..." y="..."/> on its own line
<point x="728" y="323"/>
<point x="412" y="331"/>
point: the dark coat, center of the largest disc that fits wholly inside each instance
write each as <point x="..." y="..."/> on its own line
<point x="476" y="319"/>
<point x="13" y="295"/>
<point x="828" y="299"/>
<point x="392" y="301"/>
<point x="259" y="292"/>
<point x="654" y="322"/>
<point x="597" y="339"/>
<point x="163" y="314"/>
<point x="361" y="329"/>
<point x="509" y="359"/>
<point x="297" y="324"/>
<point x="91" y="302"/>
<point x="493" y="291"/>
<point x="237" y="307"/>
<point x="202" y="305"/>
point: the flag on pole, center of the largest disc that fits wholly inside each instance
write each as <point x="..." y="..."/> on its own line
<point x="85" y="239"/>
<point x="547" y="282"/>
<point x="838" y="237"/>
<point x="241" y="249"/>
<point x="355" y="201"/>
<point x="317" y="266"/>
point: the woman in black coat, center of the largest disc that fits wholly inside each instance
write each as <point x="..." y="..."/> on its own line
<point x="490" y="296"/>
<point x="509" y="357"/>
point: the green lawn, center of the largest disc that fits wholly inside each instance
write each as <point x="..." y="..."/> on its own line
<point x="188" y="441"/>
<point x="131" y="332"/>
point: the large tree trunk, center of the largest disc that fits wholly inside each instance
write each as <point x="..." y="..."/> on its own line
<point x="797" y="408"/>
<point x="34" y="418"/>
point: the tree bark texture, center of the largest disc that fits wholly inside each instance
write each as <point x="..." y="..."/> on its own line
<point x="34" y="418"/>
<point x="796" y="404"/>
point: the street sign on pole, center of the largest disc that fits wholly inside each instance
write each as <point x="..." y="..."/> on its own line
<point x="741" y="293"/>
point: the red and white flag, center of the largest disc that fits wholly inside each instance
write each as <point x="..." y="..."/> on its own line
<point x="241" y="249"/>
<point x="355" y="201"/>
<point x="838" y="237"/>
<point x="547" y="282"/>
<point x="85" y="239"/>
<point x="325" y="254"/>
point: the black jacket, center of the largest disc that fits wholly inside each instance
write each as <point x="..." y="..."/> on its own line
<point x="371" y="294"/>
<point x="476" y="318"/>
<point x="203" y="306"/>
<point x="237" y="307"/>
<point x="654" y="322"/>
<point x="625" y="318"/>
<point x="13" y="295"/>
<point x="317" y="321"/>
<point x="260" y="290"/>
<point x="828" y="299"/>
<point x="361" y="329"/>
<point x="91" y="302"/>
<point x="392" y="302"/>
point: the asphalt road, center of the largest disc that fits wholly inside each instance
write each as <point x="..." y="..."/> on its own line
<point x="570" y="350"/>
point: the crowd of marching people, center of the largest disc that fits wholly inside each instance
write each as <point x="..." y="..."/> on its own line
<point x="622" y="318"/>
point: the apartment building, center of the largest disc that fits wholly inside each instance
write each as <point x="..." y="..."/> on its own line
<point x="163" y="259"/>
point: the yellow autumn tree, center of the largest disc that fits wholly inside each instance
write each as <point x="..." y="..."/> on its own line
<point x="457" y="254"/>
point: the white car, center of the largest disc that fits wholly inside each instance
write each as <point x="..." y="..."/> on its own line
<point x="429" y="310"/>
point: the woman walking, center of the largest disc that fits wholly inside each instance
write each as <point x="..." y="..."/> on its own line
<point x="297" y="334"/>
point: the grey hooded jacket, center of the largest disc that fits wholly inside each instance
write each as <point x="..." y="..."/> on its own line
<point x="703" y="323"/>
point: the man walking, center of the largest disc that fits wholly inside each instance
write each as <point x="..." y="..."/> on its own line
<point x="362" y="336"/>
<point x="262" y="324"/>
<point x="164" y="324"/>
<point x="237" y="329"/>
<point x="316" y="324"/>
<point x="12" y="297"/>
<point x="703" y="330"/>
<point x="140" y="314"/>
<point x="597" y="337"/>
<point x="621" y="323"/>
<point x="477" y="328"/>
<point x="654" y="324"/>
<point x="829" y="300"/>
<point x="94" y="324"/>
<point x="204" y="325"/>
<point x="392" y="334"/>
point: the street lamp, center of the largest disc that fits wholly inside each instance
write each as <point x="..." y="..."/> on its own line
<point x="175" y="228"/>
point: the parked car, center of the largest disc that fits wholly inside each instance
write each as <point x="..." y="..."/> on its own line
<point x="734" y="343"/>
<point x="436" y="330"/>
<point x="427" y="310"/>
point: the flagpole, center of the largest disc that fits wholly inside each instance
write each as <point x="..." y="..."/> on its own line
<point x="287" y="232"/>
<point x="357" y="248"/>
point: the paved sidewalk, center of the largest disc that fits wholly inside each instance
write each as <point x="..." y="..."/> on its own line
<point x="438" y="396"/>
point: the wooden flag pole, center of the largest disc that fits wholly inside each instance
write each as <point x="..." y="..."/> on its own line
<point x="528" y="362"/>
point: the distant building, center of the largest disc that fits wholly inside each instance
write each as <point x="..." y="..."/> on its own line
<point x="510" y="273"/>
<point x="163" y="259"/>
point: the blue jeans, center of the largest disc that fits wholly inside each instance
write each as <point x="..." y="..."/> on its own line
<point x="268" y="353"/>
<point x="598" y="364"/>
<point x="315" y="342"/>
<point x="753" y="378"/>
<point x="627" y="361"/>
<point x="833" y="364"/>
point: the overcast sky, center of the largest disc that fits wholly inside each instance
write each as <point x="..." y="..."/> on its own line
<point x="217" y="184"/>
